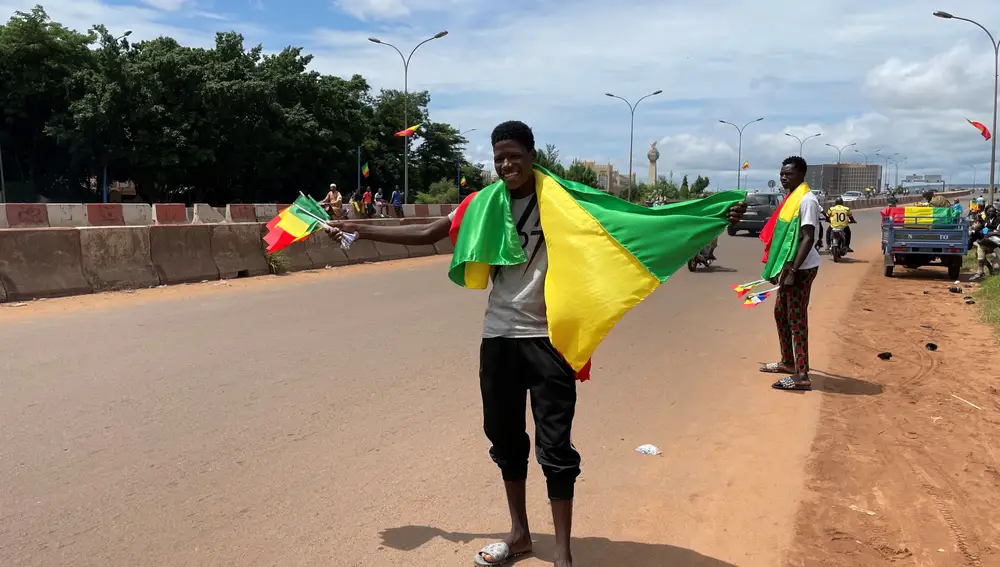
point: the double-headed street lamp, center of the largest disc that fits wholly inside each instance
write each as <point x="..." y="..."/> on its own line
<point x="864" y="154"/>
<point x="406" y="100"/>
<point x="739" y="147"/>
<point x="996" y="82"/>
<point x="886" y="158"/>
<point x="802" y="141"/>
<point x="840" y="159"/>
<point x="631" y="133"/>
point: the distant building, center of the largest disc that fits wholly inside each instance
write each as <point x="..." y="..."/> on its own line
<point x="608" y="178"/>
<point x="839" y="178"/>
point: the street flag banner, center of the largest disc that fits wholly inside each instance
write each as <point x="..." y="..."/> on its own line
<point x="758" y="298"/>
<point x="781" y="234"/>
<point x="605" y="254"/>
<point x="922" y="217"/>
<point x="743" y="289"/>
<point x="304" y="217"/>
<point x="746" y="165"/>
<point x="364" y="170"/>
<point x="982" y="128"/>
<point x="462" y="182"/>
<point x="409" y="131"/>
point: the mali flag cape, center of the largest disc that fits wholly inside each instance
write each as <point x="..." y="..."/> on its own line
<point x="781" y="234"/>
<point x="605" y="254"/>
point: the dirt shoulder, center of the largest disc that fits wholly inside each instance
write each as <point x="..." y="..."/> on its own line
<point x="905" y="467"/>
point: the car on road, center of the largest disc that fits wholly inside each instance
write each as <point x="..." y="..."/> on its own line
<point x="852" y="196"/>
<point x="760" y="207"/>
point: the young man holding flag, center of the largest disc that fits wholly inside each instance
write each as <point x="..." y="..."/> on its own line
<point x="792" y="261"/>
<point x="547" y="309"/>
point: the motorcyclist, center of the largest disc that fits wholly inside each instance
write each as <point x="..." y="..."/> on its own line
<point x="840" y="217"/>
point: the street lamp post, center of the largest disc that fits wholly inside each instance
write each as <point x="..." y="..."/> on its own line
<point x="104" y="167"/>
<point x="739" y="147"/>
<point x="996" y="82"/>
<point x="631" y="133"/>
<point x="864" y="154"/>
<point x="840" y="159"/>
<point x="406" y="104"/>
<point x="458" y="179"/>
<point x="973" y="177"/>
<point x="802" y="141"/>
<point x="887" y="158"/>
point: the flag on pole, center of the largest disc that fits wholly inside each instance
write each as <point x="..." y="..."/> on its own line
<point x="364" y="170"/>
<point x="982" y="128"/>
<point x="463" y="181"/>
<point x="746" y="165"/>
<point x="304" y="217"/>
<point x="409" y="131"/>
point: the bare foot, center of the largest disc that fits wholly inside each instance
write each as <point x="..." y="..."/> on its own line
<point x="777" y="368"/>
<point x="561" y="562"/>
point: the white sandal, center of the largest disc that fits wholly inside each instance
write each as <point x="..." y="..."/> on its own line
<point x="499" y="552"/>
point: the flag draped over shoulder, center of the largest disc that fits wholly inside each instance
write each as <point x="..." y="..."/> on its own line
<point x="304" y="217"/>
<point x="605" y="254"/>
<point x="781" y="233"/>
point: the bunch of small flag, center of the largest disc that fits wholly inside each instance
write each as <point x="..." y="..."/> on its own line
<point x="302" y="218"/>
<point x="752" y="299"/>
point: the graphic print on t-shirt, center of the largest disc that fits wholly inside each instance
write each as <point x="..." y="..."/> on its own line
<point x="517" y="301"/>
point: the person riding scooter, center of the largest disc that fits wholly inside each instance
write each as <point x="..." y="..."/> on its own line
<point x="840" y="218"/>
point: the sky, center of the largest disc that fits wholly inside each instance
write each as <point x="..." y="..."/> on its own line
<point x="883" y="75"/>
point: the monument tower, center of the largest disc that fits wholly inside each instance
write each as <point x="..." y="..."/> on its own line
<point x="653" y="154"/>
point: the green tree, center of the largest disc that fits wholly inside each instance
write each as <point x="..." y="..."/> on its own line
<point x="582" y="174"/>
<point x="439" y="192"/>
<point x="549" y="159"/>
<point x="685" y="192"/>
<point x="699" y="187"/>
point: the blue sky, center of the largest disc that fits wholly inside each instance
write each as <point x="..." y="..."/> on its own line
<point x="883" y="75"/>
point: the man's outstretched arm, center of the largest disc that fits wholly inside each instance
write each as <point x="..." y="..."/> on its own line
<point x="407" y="234"/>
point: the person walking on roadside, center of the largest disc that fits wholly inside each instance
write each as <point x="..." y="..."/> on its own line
<point x="792" y="262"/>
<point x="397" y="203"/>
<point x="366" y="200"/>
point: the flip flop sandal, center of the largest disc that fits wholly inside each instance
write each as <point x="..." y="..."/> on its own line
<point x="788" y="384"/>
<point x="500" y="552"/>
<point x="774" y="368"/>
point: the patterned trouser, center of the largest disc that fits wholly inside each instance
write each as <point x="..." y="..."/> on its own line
<point x="791" y="314"/>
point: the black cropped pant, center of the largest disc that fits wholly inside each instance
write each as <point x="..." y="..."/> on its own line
<point x="511" y="370"/>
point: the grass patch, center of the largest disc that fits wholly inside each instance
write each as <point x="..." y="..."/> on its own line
<point x="277" y="264"/>
<point x="970" y="263"/>
<point x="988" y="300"/>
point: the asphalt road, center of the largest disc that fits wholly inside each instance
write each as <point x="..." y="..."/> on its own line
<point x="334" y="419"/>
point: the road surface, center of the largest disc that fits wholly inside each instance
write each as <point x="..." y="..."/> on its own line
<point x="334" y="419"/>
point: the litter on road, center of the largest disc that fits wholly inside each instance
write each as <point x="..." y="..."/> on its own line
<point x="649" y="450"/>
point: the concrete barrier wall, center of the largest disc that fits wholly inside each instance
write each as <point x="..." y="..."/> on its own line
<point x="169" y="213"/>
<point x="242" y="213"/>
<point x="238" y="250"/>
<point x="117" y="258"/>
<point x="63" y="215"/>
<point x="41" y="262"/>
<point x="205" y="214"/>
<point x="46" y="262"/>
<point x="182" y="254"/>
<point x="137" y="214"/>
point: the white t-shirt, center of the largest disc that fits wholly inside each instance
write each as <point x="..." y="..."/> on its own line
<point x="516" y="307"/>
<point x="809" y="215"/>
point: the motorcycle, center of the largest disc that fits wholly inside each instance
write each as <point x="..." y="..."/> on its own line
<point x="703" y="258"/>
<point x="837" y="247"/>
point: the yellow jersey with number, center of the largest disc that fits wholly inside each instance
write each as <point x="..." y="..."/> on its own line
<point x="840" y="216"/>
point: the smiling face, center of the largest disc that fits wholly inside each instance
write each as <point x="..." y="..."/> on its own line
<point x="791" y="177"/>
<point x="513" y="165"/>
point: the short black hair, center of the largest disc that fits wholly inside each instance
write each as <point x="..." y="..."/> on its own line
<point x="514" y="130"/>
<point x="797" y="162"/>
